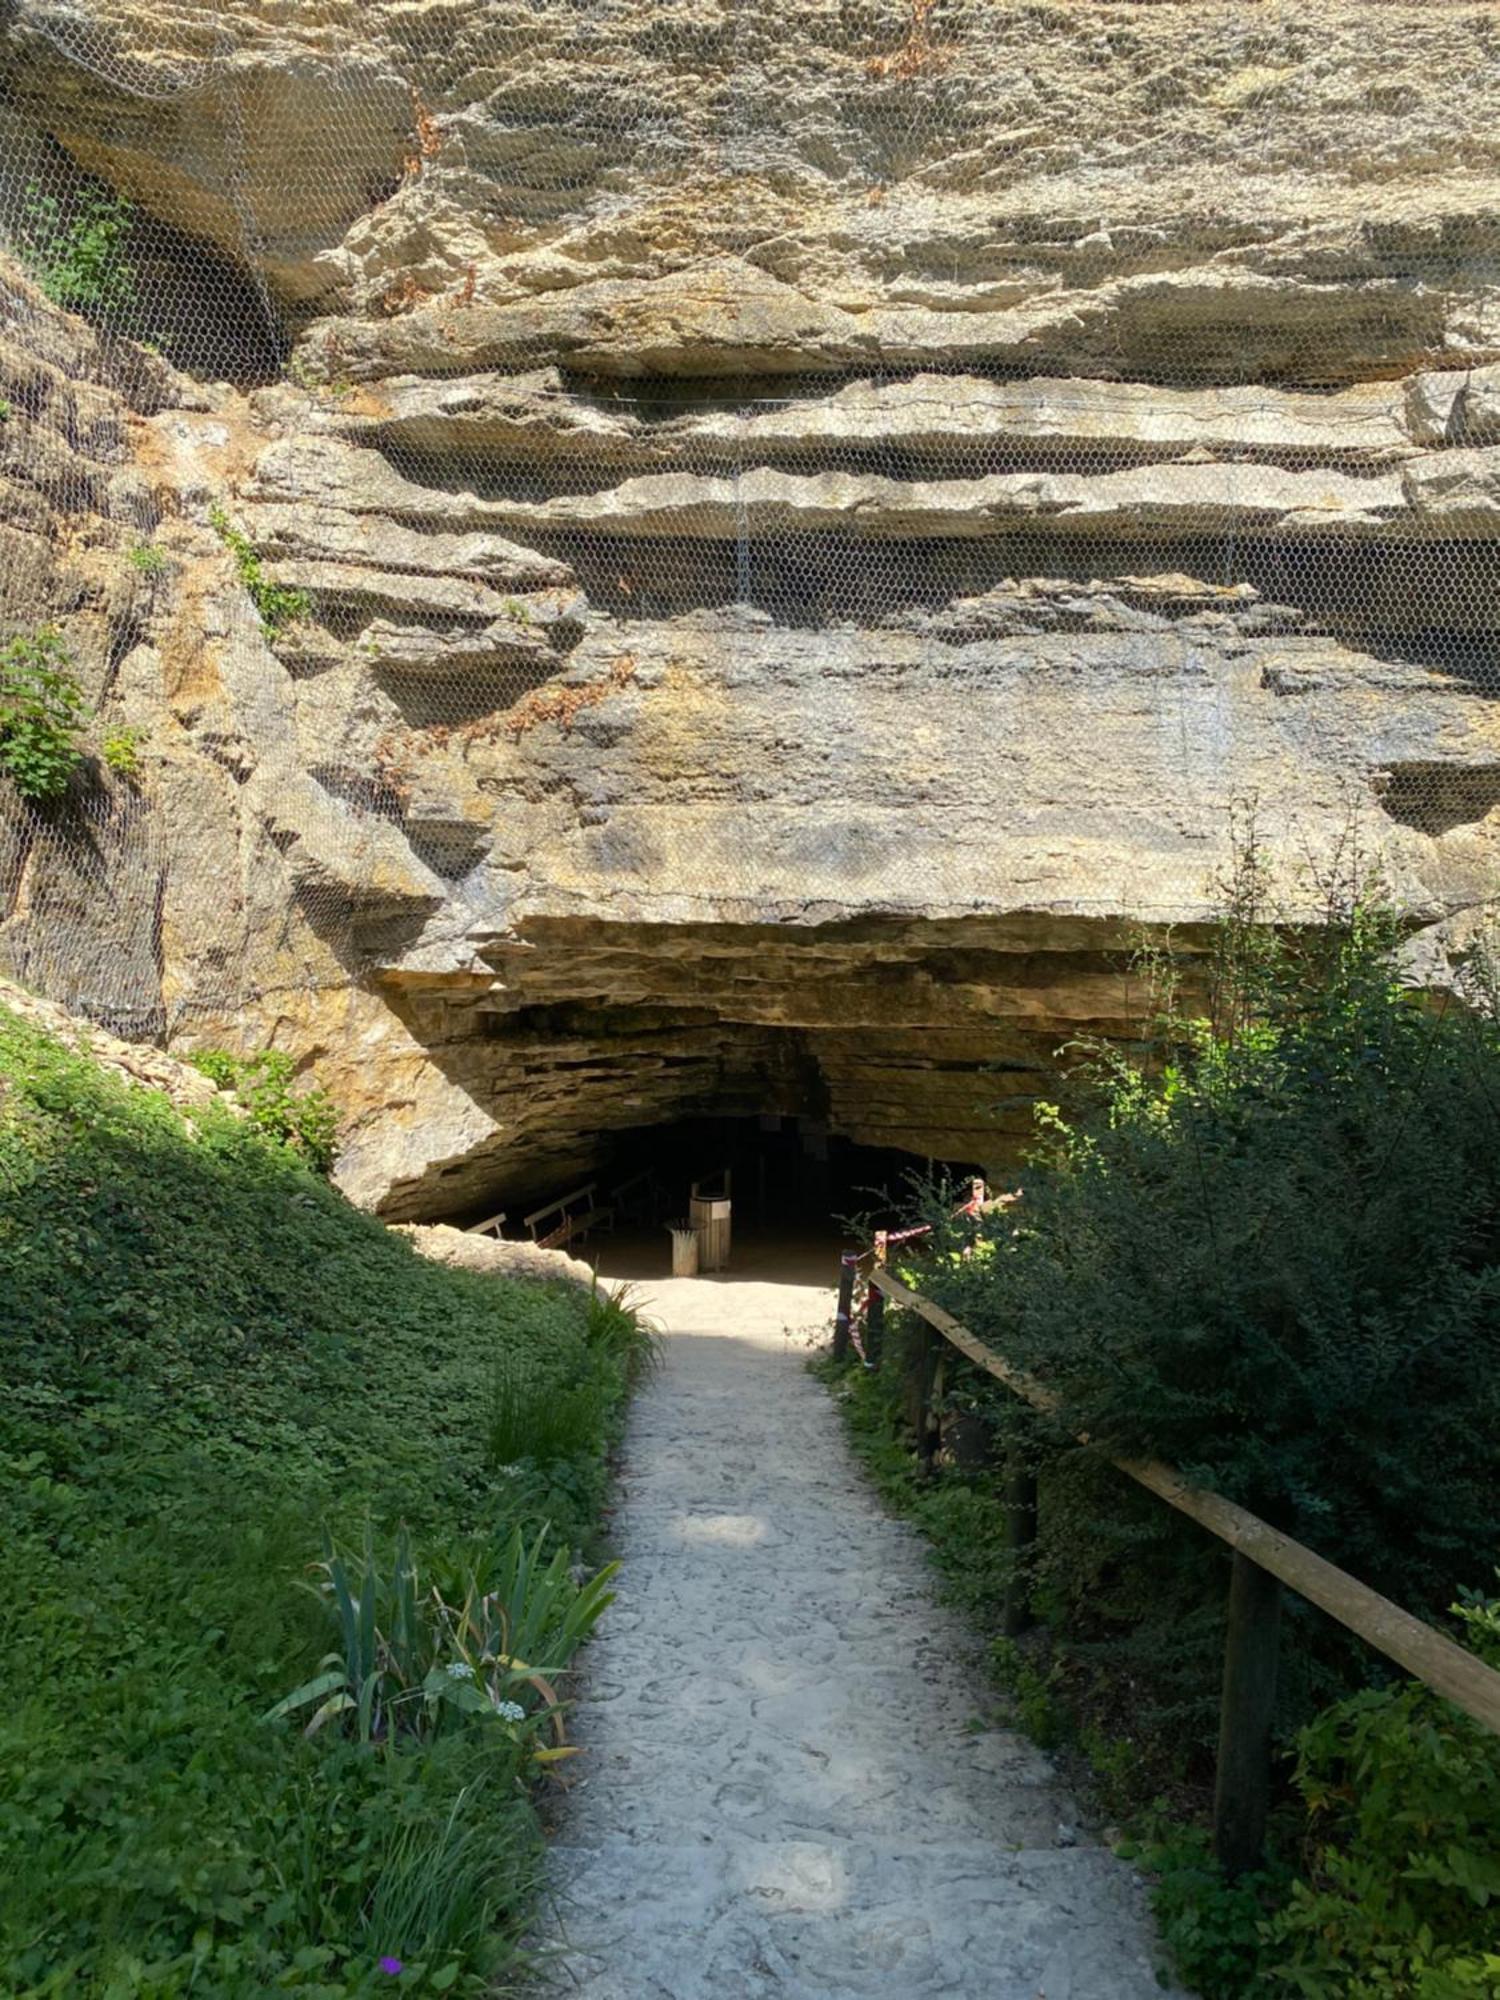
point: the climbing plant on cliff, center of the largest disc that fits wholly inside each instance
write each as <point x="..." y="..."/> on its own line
<point x="304" y="1120"/>
<point x="41" y="714"/>
<point x="277" y="604"/>
<point x="78" y="254"/>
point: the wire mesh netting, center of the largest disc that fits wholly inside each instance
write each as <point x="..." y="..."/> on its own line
<point x="692" y="463"/>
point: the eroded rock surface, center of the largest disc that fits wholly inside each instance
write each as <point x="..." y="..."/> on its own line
<point x="495" y="1258"/>
<point x="804" y="528"/>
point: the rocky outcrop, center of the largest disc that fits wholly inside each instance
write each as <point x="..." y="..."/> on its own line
<point x="133" y="1062"/>
<point x="495" y="1258"/>
<point x="796" y="535"/>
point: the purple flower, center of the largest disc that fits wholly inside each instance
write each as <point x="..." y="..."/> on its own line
<point x="390" y="1965"/>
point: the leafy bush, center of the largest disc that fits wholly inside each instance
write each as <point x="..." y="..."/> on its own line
<point x="121" y="750"/>
<point x="1214" y="1928"/>
<point x="1268" y="1252"/>
<point x="41" y="714"/>
<point x="1273" y="1257"/>
<point x="1401" y="1896"/>
<point x="210" y="1356"/>
<point x="146" y="558"/>
<point x="78" y="256"/>
<point x="277" y="605"/>
<point x="305" y="1120"/>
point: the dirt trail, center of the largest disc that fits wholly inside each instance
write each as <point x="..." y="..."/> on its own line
<point x="787" y="1788"/>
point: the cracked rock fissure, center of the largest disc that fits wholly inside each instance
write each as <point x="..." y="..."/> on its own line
<point x="790" y="1784"/>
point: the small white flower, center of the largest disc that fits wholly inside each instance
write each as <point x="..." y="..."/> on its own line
<point x="509" y="1711"/>
<point x="460" y="1670"/>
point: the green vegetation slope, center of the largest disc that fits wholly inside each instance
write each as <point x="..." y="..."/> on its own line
<point x="212" y="1362"/>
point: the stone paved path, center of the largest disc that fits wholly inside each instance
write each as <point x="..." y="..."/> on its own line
<point x="783" y="1791"/>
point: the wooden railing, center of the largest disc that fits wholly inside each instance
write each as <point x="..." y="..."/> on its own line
<point x="492" y="1225"/>
<point x="712" y="1187"/>
<point x="638" y="1200"/>
<point x="576" y="1214"/>
<point x="1264" y="1561"/>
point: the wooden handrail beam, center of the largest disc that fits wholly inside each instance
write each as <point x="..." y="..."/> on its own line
<point x="1427" y="1654"/>
<point x="563" y="1202"/>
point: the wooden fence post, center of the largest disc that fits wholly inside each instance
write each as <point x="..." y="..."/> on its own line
<point x="1242" y="1785"/>
<point x="929" y="1371"/>
<point x="1020" y="1533"/>
<point x="847" y="1265"/>
<point x="875" y="1308"/>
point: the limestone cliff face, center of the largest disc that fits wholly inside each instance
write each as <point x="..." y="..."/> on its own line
<point x="807" y="525"/>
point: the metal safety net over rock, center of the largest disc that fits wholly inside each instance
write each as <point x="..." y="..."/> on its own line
<point x="690" y="510"/>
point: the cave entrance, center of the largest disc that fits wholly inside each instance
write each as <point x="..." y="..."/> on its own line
<point x="788" y="1171"/>
<point x="823" y="1064"/>
<point x="799" y="1192"/>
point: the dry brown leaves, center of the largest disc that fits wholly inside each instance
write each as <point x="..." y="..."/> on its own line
<point x="427" y="135"/>
<point x="562" y="704"/>
<point x="917" y="55"/>
<point x="403" y="296"/>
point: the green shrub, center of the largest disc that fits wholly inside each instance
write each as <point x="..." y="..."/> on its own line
<point x="1267" y="1251"/>
<point x="1214" y="1928"/>
<point x="408" y="1660"/>
<point x="304" y="1120"/>
<point x="1401" y="1896"/>
<point x="78" y="255"/>
<point x="210" y="1356"/>
<point x="121" y="750"/>
<point x="277" y="605"/>
<point x="1272" y="1258"/>
<point x="41" y="714"/>
<point x="146" y="558"/>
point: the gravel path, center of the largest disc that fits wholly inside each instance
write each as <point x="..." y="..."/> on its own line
<point x="787" y="1789"/>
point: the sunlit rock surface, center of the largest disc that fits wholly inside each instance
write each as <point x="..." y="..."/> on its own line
<point x="807" y="526"/>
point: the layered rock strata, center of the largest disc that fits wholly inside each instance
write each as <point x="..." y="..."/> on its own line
<point x="803" y="532"/>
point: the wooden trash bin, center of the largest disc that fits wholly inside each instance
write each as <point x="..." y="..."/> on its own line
<point x="684" y="1249"/>
<point x="711" y="1220"/>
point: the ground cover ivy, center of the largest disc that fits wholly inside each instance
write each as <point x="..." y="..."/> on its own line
<point x="212" y="1364"/>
